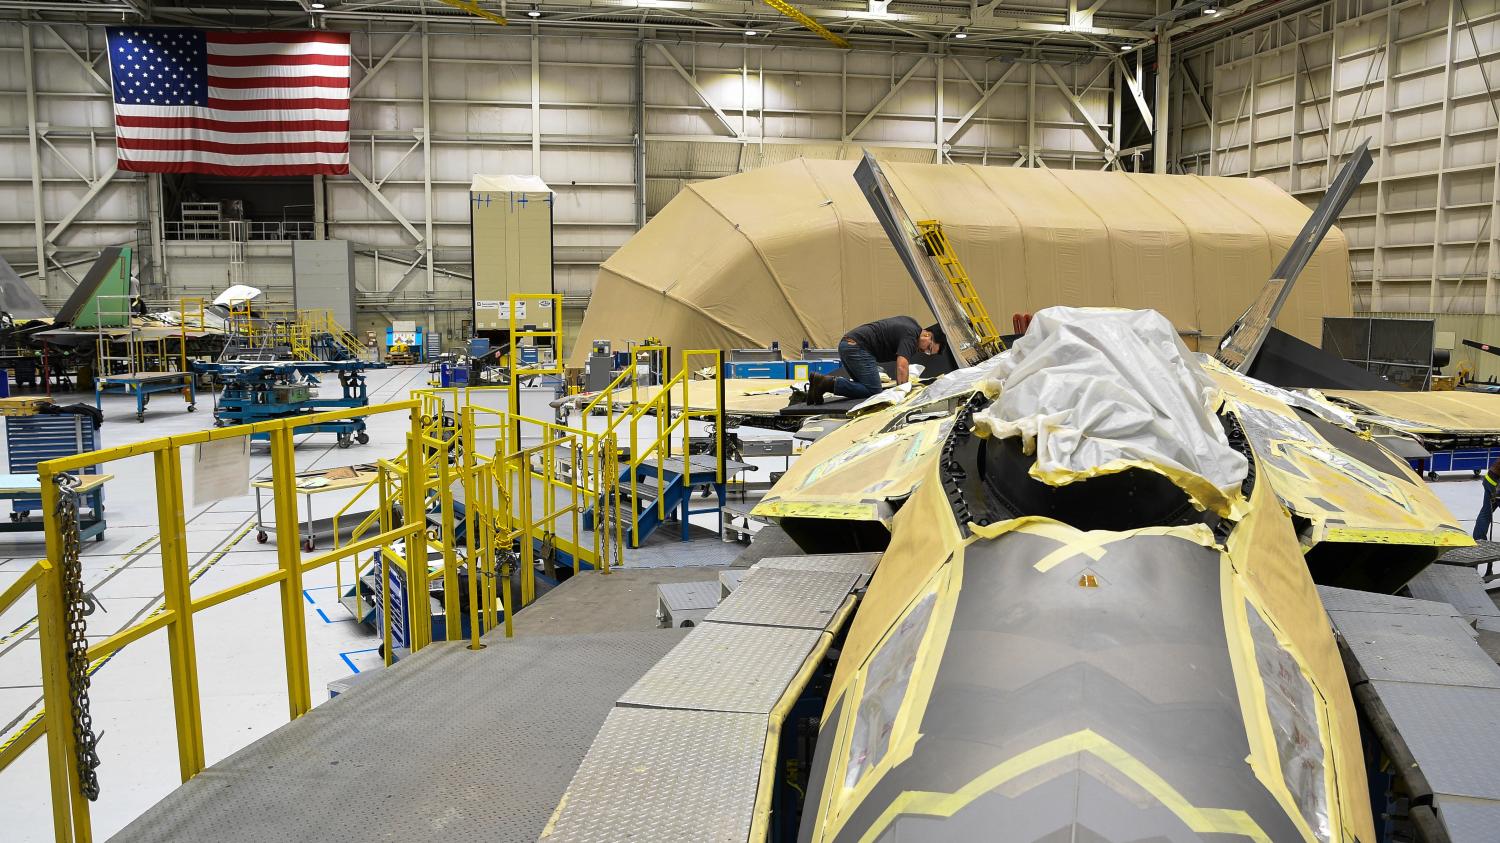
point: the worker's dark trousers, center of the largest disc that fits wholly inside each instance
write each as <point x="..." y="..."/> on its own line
<point x="1486" y="513"/>
<point x="863" y="369"/>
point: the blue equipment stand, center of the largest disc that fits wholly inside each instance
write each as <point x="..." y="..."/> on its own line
<point x="1475" y="460"/>
<point x="250" y="394"/>
<point x="146" y="384"/>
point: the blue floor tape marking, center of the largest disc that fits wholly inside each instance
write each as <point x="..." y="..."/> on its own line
<point x="309" y="597"/>
<point x="347" y="653"/>
<point x="323" y="616"/>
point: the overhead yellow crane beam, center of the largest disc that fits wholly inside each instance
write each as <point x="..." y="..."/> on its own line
<point x="475" y="9"/>
<point x="801" y="17"/>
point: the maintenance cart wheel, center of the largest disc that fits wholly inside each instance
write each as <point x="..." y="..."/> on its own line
<point x="362" y="438"/>
<point x="262" y="537"/>
<point x="345" y="440"/>
<point x="1432" y="475"/>
<point x="98" y="537"/>
<point x="309" y="545"/>
<point x="192" y="408"/>
<point x="140" y="417"/>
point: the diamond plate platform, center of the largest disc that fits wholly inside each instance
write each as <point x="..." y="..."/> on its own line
<point x="1352" y="600"/>
<point x="514" y="721"/>
<point x="1457" y="585"/>
<point x="1481" y="552"/>
<point x="850" y="563"/>
<point x="655" y="774"/>
<point x="696" y="674"/>
<point x="1453" y="733"/>
<point x="1441" y="690"/>
<point x="1417" y="648"/>
<point x="730" y="580"/>
<point x="774" y="597"/>
<point x="685" y="603"/>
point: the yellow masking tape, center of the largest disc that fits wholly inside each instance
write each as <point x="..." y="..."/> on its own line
<point x="1201" y="820"/>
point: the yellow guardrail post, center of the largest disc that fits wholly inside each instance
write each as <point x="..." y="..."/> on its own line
<point x="452" y="619"/>
<point x="381" y="568"/>
<point x="414" y="507"/>
<point x="289" y="557"/>
<point x="528" y="561"/>
<point x="70" y="808"/>
<point x="471" y="531"/>
<point x="181" y="647"/>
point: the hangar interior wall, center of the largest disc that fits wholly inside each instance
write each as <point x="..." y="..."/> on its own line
<point x="1421" y="79"/>
<point x="619" y="121"/>
<point x="435" y="105"/>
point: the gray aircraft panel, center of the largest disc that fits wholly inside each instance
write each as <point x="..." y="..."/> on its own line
<point x="1142" y="661"/>
<point x="16" y="298"/>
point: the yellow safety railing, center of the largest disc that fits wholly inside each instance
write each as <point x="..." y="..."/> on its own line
<point x="69" y="805"/>
<point x="542" y="488"/>
<point x="314" y="324"/>
<point x="660" y="407"/>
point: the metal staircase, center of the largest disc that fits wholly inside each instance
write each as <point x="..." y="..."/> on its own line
<point x="653" y="492"/>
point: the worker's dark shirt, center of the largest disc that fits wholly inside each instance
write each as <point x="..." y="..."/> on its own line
<point x="887" y="339"/>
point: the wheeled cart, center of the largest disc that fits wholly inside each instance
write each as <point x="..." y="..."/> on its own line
<point x="143" y="385"/>
<point x="261" y="391"/>
<point x="311" y="529"/>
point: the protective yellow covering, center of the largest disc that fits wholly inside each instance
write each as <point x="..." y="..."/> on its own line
<point x="1429" y="412"/>
<point x="793" y="252"/>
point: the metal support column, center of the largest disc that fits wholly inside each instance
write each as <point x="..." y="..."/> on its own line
<point x="640" y="132"/>
<point x="34" y="139"/>
<point x="157" y="248"/>
<point x="320" y="211"/>
<point x="426" y="179"/>
<point x="1163" y="98"/>
<point x="536" y="103"/>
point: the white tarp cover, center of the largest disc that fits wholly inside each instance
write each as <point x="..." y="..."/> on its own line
<point x="1095" y="391"/>
<point x="236" y="294"/>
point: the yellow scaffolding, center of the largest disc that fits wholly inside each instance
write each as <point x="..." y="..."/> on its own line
<point x="517" y="497"/>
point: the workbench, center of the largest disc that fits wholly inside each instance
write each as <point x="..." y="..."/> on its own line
<point x="144" y="385"/>
<point x="29" y="487"/>
<point x="311" y="528"/>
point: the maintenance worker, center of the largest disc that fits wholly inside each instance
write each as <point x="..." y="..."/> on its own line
<point x="861" y="351"/>
<point x="1491" y="486"/>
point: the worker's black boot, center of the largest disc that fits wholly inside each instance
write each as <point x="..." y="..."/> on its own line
<point x="817" y="387"/>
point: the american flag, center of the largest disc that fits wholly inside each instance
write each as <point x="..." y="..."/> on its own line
<point x="230" y="103"/>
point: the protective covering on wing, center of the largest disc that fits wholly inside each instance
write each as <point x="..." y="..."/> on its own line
<point x="1097" y="391"/>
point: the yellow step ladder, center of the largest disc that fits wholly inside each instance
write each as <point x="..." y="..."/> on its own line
<point x="937" y="245"/>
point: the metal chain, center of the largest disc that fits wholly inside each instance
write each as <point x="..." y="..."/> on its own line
<point x="80" y="604"/>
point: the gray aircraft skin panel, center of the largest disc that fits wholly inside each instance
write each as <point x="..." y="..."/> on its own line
<point x="1141" y="661"/>
<point x="16" y="298"/>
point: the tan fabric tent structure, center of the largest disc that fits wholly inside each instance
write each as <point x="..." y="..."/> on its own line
<point x="793" y="252"/>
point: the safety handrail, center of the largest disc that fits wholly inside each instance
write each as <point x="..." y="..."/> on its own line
<point x="660" y="406"/>
<point x="176" y="614"/>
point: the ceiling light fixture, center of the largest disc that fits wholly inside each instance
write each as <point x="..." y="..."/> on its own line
<point x="1125" y="48"/>
<point x="316" y="5"/>
<point x="1210" y="10"/>
<point x="752" y="33"/>
<point x="963" y="32"/>
<point x="534" y="13"/>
